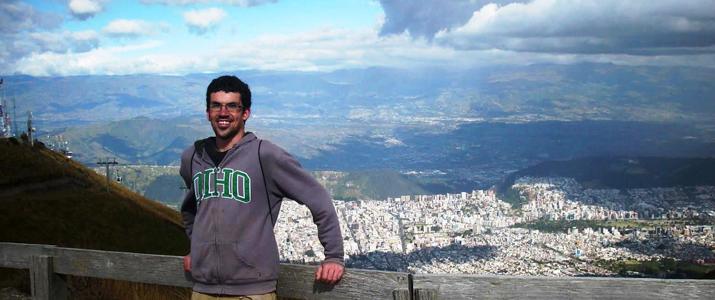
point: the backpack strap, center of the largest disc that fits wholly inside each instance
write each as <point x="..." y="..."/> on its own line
<point x="265" y="184"/>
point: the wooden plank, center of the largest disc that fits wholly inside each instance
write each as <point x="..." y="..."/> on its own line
<point x="512" y="287"/>
<point x="295" y="281"/>
<point x="40" y="276"/>
<point x="401" y="294"/>
<point x="426" y="294"/>
<point x="45" y="284"/>
<point x="17" y="256"/>
<point x="298" y="281"/>
<point x="135" y="267"/>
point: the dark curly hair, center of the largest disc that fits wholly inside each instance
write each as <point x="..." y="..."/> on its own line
<point x="229" y="84"/>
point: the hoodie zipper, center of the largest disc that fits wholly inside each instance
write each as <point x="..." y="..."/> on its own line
<point x="217" y="269"/>
<point x="231" y="152"/>
<point x="220" y="276"/>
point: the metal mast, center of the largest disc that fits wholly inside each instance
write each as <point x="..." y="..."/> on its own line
<point x="30" y="129"/>
<point x="3" y="132"/>
<point x="14" y="117"/>
<point x="4" y="113"/>
<point x="106" y="164"/>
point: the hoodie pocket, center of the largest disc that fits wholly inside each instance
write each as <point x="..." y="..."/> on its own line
<point x="204" y="261"/>
<point x="237" y="265"/>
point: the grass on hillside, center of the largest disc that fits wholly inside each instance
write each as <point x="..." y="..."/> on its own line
<point x="373" y="184"/>
<point x="513" y="197"/>
<point x="80" y="213"/>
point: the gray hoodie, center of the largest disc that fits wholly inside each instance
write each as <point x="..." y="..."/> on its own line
<point x="229" y="218"/>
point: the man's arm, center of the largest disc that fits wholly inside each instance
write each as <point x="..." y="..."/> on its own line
<point x="290" y="180"/>
<point x="188" y="206"/>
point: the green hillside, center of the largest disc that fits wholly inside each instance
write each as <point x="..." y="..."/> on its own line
<point x="49" y="199"/>
<point x="138" y="140"/>
<point x="625" y="172"/>
<point x="375" y="184"/>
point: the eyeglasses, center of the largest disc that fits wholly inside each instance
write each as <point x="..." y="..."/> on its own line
<point x="231" y="107"/>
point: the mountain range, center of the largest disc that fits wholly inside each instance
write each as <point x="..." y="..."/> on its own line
<point x="462" y="128"/>
<point x="383" y="95"/>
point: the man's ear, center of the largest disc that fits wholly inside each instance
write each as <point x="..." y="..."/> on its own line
<point x="246" y="114"/>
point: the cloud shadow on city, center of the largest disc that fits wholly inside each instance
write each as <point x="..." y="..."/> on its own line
<point x="398" y="262"/>
<point x="669" y="247"/>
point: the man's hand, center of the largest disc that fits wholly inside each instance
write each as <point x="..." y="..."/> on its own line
<point x="329" y="272"/>
<point x="187" y="263"/>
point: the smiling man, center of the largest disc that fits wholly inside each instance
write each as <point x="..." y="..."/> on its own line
<point x="236" y="185"/>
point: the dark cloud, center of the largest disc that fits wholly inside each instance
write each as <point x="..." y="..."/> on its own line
<point x="663" y="27"/>
<point x="424" y="18"/>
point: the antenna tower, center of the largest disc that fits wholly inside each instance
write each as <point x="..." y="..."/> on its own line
<point x="4" y="114"/>
<point x="3" y="124"/>
<point x="14" y="117"/>
<point x="30" y="129"/>
<point x="106" y="164"/>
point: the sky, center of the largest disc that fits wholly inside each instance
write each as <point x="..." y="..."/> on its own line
<point x="112" y="37"/>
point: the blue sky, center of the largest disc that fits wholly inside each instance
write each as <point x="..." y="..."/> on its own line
<point x="79" y="37"/>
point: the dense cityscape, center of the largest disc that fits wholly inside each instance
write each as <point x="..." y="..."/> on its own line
<point x="479" y="233"/>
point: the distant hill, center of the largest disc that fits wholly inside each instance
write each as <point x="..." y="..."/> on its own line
<point x="137" y="140"/>
<point x="546" y="91"/>
<point x="166" y="189"/>
<point x="46" y="198"/>
<point x="624" y="172"/>
<point x="375" y="184"/>
<point x="156" y="182"/>
<point x="164" y="184"/>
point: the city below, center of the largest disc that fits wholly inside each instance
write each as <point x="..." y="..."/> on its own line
<point x="479" y="233"/>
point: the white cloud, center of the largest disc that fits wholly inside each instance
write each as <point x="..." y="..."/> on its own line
<point x="324" y="49"/>
<point x="85" y="35"/>
<point x="21" y="38"/>
<point x="94" y="62"/>
<point x="24" y="17"/>
<point x="241" y="3"/>
<point x="60" y="42"/>
<point x="84" y="9"/>
<point x="129" y="28"/>
<point x="200" y="21"/>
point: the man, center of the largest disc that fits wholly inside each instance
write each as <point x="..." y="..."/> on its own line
<point x="236" y="185"/>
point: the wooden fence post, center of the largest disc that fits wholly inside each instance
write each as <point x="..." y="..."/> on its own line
<point x="46" y="285"/>
<point x="426" y="294"/>
<point x="401" y="294"/>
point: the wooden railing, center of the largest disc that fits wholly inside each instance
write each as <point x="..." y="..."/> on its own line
<point x="48" y="264"/>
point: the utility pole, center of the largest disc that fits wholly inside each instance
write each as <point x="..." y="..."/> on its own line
<point x="14" y="117"/>
<point x="3" y="107"/>
<point x="30" y="129"/>
<point x="106" y="164"/>
<point x="4" y="113"/>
